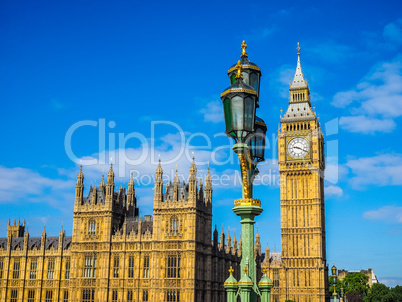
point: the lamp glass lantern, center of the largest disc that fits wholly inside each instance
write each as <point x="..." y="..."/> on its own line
<point x="256" y="141"/>
<point x="334" y="274"/>
<point x="239" y="111"/>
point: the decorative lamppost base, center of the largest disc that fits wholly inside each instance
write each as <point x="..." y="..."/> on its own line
<point x="247" y="213"/>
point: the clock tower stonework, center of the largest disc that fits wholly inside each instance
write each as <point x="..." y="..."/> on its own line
<point x="304" y="274"/>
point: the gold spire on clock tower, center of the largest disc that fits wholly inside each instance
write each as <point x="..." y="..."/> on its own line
<point x="301" y="166"/>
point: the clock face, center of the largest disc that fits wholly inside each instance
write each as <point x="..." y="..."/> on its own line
<point x="298" y="147"/>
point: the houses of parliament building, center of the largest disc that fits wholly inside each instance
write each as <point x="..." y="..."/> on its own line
<point x="174" y="255"/>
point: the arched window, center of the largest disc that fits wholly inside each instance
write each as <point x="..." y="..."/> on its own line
<point x="92" y="227"/>
<point x="174" y="225"/>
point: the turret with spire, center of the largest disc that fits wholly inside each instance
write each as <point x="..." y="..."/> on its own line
<point x="102" y="186"/>
<point x="110" y="186"/>
<point x="267" y="254"/>
<point x="234" y="252"/>
<point x="121" y="195"/>
<point x="216" y="237"/>
<point x="158" y="190"/>
<point x="43" y="239"/>
<point x="228" y="243"/>
<point x="79" y="188"/>
<point x="131" y="199"/>
<point x="176" y="187"/>
<point x="208" y="188"/>
<point x="192" y="182"/>
<point x="222" y="243"/>
<point x="62" y="234"/>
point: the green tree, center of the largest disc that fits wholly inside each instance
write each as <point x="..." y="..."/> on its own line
<point x="397" y="292"/>
<point x="356" y="282"/>
<point x="377" y="292"/>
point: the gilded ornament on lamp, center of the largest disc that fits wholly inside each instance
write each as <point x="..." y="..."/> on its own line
<point x="231" y="90"/>
<point x="247" y="201"/>
<point x="243" y="47"/>
<point x="239" y="67"/>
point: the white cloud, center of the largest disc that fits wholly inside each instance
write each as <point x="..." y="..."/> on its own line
<point x="24" y="185"/>
<point x="380" y="170"/>
<point x="393" y="31"/>
<point x="391" y="281"/>
<point x="333" y="191"/>
<point x="389" y="214"/>
<point x="213" y="112"/>
<point x="377" y="99"/>
<point x="363" y="124"/>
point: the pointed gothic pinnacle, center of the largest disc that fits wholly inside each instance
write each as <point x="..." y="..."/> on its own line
<point x="131" y="181"/>
<point x="159" y="168"/>
<point x="80" y="174"/>
<point x="193" y="168"/>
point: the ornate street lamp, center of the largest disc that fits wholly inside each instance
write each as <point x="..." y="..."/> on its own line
<point x="240" y="101"/>
<point x="334" y="280"/>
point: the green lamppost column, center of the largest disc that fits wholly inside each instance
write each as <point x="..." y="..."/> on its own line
<point x="239" y="103"/>
<point x="265" y="286"/>
<point x="335" y="281"/>
<point x="231" y="286"/>
<point x="246" y="287"/>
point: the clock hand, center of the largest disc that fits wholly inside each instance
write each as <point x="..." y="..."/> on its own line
<point x="300" y="148"/>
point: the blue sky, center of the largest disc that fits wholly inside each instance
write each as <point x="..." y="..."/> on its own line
<point x="152" y="74"/>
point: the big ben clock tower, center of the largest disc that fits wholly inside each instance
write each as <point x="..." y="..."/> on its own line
<point x="304" y="272"/>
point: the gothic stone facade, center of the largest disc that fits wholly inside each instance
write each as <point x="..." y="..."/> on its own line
<point x="113" y="255"/>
